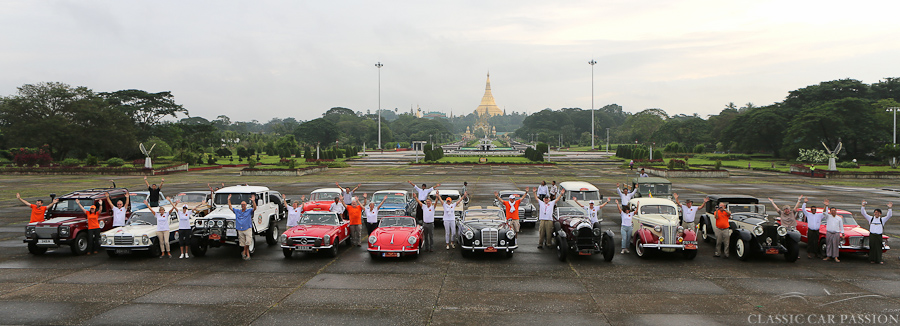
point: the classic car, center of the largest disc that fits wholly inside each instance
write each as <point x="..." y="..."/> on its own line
<point x="217" y="228"/>
<point x="652" y="187"/>
<point x="526" y="208"/>
<point x="752" y="230"/>
<point x="656" y="226"/>
<point x="316" y="232"/>
<point x="138" y="198"/>
<point x="65" y="223"/>
<point x="139" y="234"/>
<point x="583" y="191"/>
<point x="484" y="229"/>
<point x="321" y="199"/>
<point x="199" y="201"/>
<point x="856" y="238"/>
<point x="396" y="204"/>
<point x="574" y="233"/>
<point x="395" y="236"/>
<point x="439" y="209"/>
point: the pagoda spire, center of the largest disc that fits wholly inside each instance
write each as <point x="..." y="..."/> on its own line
<point x="488" y="106"/>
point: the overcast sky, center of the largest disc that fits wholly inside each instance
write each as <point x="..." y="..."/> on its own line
<point x="261" y="59"/>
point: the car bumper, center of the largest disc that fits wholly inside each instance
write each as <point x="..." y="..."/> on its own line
<point x="137" y="248"/>
<point x="403" y="250"/>
<point x="498" y="248"/>
<point x="54" y="243"/>
<point x="845" y="248"/>
<point x="306" y="248"/>
<point x="662" y="246"/>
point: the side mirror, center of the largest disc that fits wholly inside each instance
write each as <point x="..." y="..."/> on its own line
<point x="52" y="196"/>
<point x="259" y="202"/>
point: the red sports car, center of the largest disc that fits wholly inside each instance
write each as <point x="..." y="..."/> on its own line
<point x="321" y="199"/>
<point x="856" y="238"/>
<point x="395" y="236"/>
<point x="316" y="232"/>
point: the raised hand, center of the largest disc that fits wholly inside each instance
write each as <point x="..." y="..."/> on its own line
<point x="827" y="202"/>
<point x="706" y="199"/>
<point x="18" y="196"/>
<point x="890" y="205"/>
<point x="864" y="203"/>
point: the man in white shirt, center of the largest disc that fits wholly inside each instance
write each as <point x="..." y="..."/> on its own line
<point x="422" y="194"/>
<point x="593" y="211"/>
<point x="626" y="214"/>
<point x="542" y="191"/>
<point x="876" y="230"/>
<point x="545" y="218"/>
<point x="813" y="223"/>
<point x="689" y="211"/>
<point x="293" y="213"/>
<point x="554" y="190"/>
<point x="371" y="212"/>
<point x="835" y="231"/>
<point x="428" y="209"/>
<point x="119" y="209"/>
<point x="625" y="197"/>
<point x="644" y="174"/>
<point x="338" y="207"/>
<point x="347" y="196"/>
<point x="450" y="219"/>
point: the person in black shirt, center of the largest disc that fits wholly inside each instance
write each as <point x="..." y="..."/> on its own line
<point x="154" y="190"/>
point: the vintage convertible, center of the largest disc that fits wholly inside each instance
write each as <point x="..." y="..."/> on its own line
<point x="856" y="238"/>
<point x="526" y="208"/>
<point x="316" y="232"/>
<point x="139" y="234"/>
<point x="484" y="229"/>
<point x="752" y="230"/>
<point x="574" y="233"/>
<point x="656" y="226"/>
<point x="395" y="236"/>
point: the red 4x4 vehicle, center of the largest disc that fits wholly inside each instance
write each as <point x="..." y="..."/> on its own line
<point x="66" y="224"/>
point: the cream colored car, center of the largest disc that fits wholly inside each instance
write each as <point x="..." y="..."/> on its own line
<point x="656" y="226"/>
<point x="139" y="234"/>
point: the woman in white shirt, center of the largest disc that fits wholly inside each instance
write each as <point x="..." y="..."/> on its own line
<point x="162" y="227"/>
<point x="293" y="212"/>
<point x="371" y="212"/>
<point x="184" y="229"/>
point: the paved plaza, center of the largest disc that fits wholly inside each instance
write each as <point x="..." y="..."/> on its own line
<point x="443" y="288"/>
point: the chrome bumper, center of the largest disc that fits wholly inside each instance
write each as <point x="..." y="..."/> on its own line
<point x="661" y="246"/>
<point x="506" y="248"/>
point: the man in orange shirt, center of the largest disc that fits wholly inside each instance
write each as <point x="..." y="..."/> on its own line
<point x="354" y="211"/>
<point x="37" y="211"/>
<point x="93" y="217"/>
<point x="722" y="229"/>
<point x="512" y="209"/>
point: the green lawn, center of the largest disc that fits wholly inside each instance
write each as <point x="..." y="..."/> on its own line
<point x="780" y="165"/>
<point x="597" y="147"/>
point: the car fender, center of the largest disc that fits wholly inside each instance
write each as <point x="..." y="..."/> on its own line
<point x="690" y="235"/>
<point x="792" y="236"/>
<point x="608" y="234"/>
<point x="645" y="235"/>
<point x="743" y="234"/>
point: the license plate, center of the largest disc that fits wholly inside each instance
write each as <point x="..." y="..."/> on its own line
<point x="490" y="249"/>
<point x="772" y="251"/>
<point x="391" y="254"/>
<point x="123" y="251"/>
<point x="231" y="232"/>
<point x="304" y="249"/>
<point x="214" y="237"/>
<point x="690" y="246"/>
<point x="586" y="252"/>
<point x="45" y="241"/>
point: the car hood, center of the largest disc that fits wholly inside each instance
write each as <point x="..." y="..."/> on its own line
<point x="399" y="233"/>
<point x="478" y="225"/>
<point x="132" y="230"/>
<point x="392" y="207"/>
<point x="221" y="212"/>
<point x="317" y="206"/>
<point x="59" y="220"/>
<point x="657" y="219"/>
<point x="309" y="231"/>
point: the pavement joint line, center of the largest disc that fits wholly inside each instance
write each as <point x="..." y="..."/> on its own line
<point x="438" y="298"/>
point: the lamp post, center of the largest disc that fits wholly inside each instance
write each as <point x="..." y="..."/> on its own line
<point x="607" y="140"/>
<point x="894" y="159"/>
<point x="592" y="63"/>
<point x="379" y="65"/>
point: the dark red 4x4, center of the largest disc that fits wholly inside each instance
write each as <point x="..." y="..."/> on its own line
<point x="65" y="223"/>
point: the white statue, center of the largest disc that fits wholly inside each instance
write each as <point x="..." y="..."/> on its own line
<point x="147" y="163"/>
<point x="832" y="155"/>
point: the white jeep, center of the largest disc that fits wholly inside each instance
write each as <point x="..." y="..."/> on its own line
<point x="218" y="227"/>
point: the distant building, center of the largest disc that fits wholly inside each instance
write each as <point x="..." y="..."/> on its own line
<point x="488" y="108"/>
<point x="434" y="114"/>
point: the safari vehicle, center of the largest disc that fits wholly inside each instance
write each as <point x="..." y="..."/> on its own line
<point x="652" y="187"/>
<point x="526" y="208"/>
<point x="484" y="229"/>
<point x="396" y="204"/>
<point x="321" y="199"/>
<point x="218" y="227"/>
<point x="656" y="226"/>
<point x="752" y="230"/>
<point x="439" y="208"/>
<point x="139" y="234"/>
<point x="583" y="191"/>
<point x="66" y="224"/>
<point x="575" y="234"/>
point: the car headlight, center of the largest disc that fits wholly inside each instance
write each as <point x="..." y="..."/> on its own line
<point x="283" y="239"/>
<point x="469" y="234"/>
<point x="782" y="231"/>
<point x="758" y="230"/>
<point x="103" y="238"/>
<point x="326" y="240"/>
<point x="372" y="239"/>
<point x="29" y="230"/>
<point x="502" y="242"/>
<point x="680" y="229"/>
<point x="597" y="232"/>
<point x="411" y="240"/>
<point x="477" y="242"/>
<point x="510" y="234"/>
<point x="657" y="228"/>
<point x="229" y="224"/>
<point x="64" y="231"/>
<point x="400" y="212"/>
<point x="145" y="239"/>
<point x="199" y="223"/>
<point x="219" y="223"/>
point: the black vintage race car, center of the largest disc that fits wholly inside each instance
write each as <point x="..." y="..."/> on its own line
<point x="753" y="232"/>
<point x="575" y="234"/>
<point x="484" y="229"/>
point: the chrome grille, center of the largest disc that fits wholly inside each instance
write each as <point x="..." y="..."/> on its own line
<point x="45" y="232"/>
<point x="304" y="241"/>
<point x="489" y="237"/>
<point x="859" y="241"/>
<point x="123" y="240"/>
<point x="668" y="231"/>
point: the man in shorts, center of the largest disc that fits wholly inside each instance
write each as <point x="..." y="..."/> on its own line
<point x="243" y="222"/>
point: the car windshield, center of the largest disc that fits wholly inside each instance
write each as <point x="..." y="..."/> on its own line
<point x="323" y="196"/>
<point x="655" y="188"/>
<point x="236" y="199"/>
<point x="392" y="198"/>
<point x="848" y="219"/>
<point x="570" y="211"/>
<point x="72" y="205"/>
<point x="453" y="197"/>
<point x="193" y="197"/>
<point x="658" y="209"/>
<point x="585" y="195"/>
<point x="319" y="219"/>
<point x="397" y="221"/>
<point x="142" y="218"/>
<point x="485" y="214"/>
<point x="746" y="208"/>
<point x="138" y="198"/>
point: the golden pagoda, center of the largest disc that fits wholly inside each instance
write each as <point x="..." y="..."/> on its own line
<point x="487" y="106"/>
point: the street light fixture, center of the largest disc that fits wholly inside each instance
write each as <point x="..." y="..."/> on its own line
<point x="592" y="63"/>
<point x="894" y="159"/>
<point x="379" y="65"/>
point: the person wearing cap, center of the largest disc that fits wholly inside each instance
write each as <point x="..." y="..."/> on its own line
<point x="511" y="207"/>
<point x="372" y="212"/>
<point x="37" y="210"/>
<point x="593" y="210"/>
<point x="449" y="219"/>
<point x="184" y="229"/>
<point x="347" y="195"/>
<point x="689" y="211"/>
<point x="626" y="196"/>
<point x="813" y="222"/>
<point x="293" y="212"/>
<point x="93" y="234"/>
<point x="545" y="218"/>
<point x="626" y="214"/>
<point x="786" y="214"/>
<point x="421" y="194"/>
<point x="834" y="226"/>
<point x="876" y="229"/>
<point x="119" y="210"/>
<point x="162" y="227"/>
<point x="428" y="209"/>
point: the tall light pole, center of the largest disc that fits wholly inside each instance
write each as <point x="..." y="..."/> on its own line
<point x="894" y="159"/>
<point x="607" y="140"/>
<point x="379" y="65"/>
<point x="592" y="63"/>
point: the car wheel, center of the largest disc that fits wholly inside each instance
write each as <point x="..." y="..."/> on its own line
<point x="80" y="245"/>
<point x="609" y="248"/>
<point x="824" y="247"/>
<point x="198" y="247"/>
<point x="704" y="233"/>
<point x="154" y="251"/>
<point x="111" y="253"/>
<point x="333" y="251"/>
<point x="793" y="251"/>
<point x="252" y="243"/>
<point x="689" y="254"/>
<point x="35" y="250"/>
<point x="562" y="248"/>
<point x="272" y="233"/>
<point x="288" y="252"/>
<point x="639" y="248"/>
<point x="742" y="249"/>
